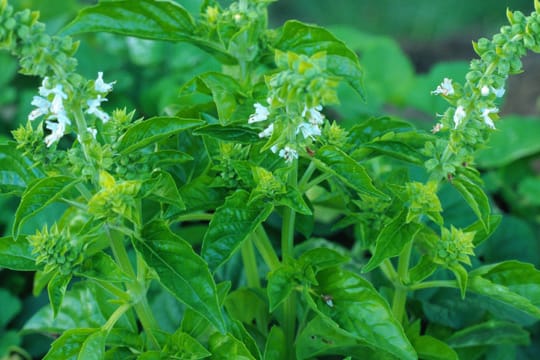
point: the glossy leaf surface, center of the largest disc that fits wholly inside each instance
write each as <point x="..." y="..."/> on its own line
<point x="17" y="255"/>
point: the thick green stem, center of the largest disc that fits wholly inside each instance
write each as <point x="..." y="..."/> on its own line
<point x="250" y="264"/>
<point x="265" y="248"/>
<point x="307" y="175"/>
<point x="435" y="284"/>
<point x="136" y="287"/>
<point x="400" y="293"/>
<point x="287" y="246"/>
<point x="194" y="217"/>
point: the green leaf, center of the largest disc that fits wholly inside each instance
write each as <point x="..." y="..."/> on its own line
<point x="322" y="336"/>
<point x="69" y="345"/>
<point x="227" y="347"/>
<point x="309" y="39"/>
<point x="231" y="224"/>
<point x="15" y="170"/>
<point x="461" y="277"/>
<point x="475" y="197"/>
<point x="57" y="289"/>
<point x="39" y="194"/>
<point x="361" y="311"/>
<point x="515" y="139"/>
<point x="334" y="161"/>
<point x="156" y="20"/>
<point x="17" y="255"/>
<point x="280" y="285"/>
<point x="181" y="271"/>
<point x="430" y="348"/>
<point x="374" y="128"/>
<point x="101" y="267"/>
<point x="489" y="333"/>
<point x="322" y="258"/>
<point x="294" y="200"/>
<point x="480" y="233"/>
<point x="276" y="345"/>
<point x="396" y="149"/>
<point x="247" y="305"/>
<point x="236" y="133"/>
<point x="168" y="157"/>
<point x="162" y="188"/>
<point x="144" y="133"/>
<point x="422" y="270"/>
<point x="391" y="240"/>
<point x="93" y="348"/>
<point x="182" y="346"/>
<point x="11" y="306"/>
<point x="200" y="195"/>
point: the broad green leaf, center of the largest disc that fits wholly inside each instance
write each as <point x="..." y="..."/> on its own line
<point x="247" y="305"/>
<point x="180" y="270"/>
<point x="227" y="347"/>
<point x="480" y="233"/>
<point x="395" y="149"/>
<point x="430" y="348"/>
<point x="162" y="188"/>
<point x="521" y="278"/>
<point x="515" y="139"/>
<point x="489" y="333"/>
<point x="168" y="157"/>
<point x="374" y="128"/>
<point x="15" y="171"/>
<point x="11" y="306"/>
<point x="361" y="311"/>
<point x="231" y="225"/>
<point x="334" y="161"/>
<point x="93" y="348"/>
<point x="475" y="197"/>
<point x="182" y="346"/>
<point x="391" y="240"/>
<point x="156" y="20"/>
<point x="281" y="282"/>
<point x="199" y="195"/>
<point x="422" y="270"/>
<point x="294" y="200"/>
<point x="322" y="258"/>
<point x="239" y="332"/>
<point x="17" y="255"/>
<point x="101" y="267"/>
<point x="38" y="195"/>
<point x="57" y="289"/>
<point x="276" y="345"/>
<point x="462" y="277"/>
<point x="144" y="133"/>
<point x="322" y="336"/>
<point x="226" y="94"/>
<point x="236" y="133"/>
<point x="69" y="345"/>
<point x="309" y="39"/>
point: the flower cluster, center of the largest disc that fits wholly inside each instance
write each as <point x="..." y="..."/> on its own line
<point x="455" y="246"/>
<point x="51" y="104"/>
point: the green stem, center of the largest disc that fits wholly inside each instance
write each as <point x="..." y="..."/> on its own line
<point x="250" y="264"/>
<point x="400" y="294"/>
<point x="388" y="270"/>
<point x="435" y="284"/>
<point x="307" y="175"/>
<point x="319" y="179"/>
<point x="194" y="217"/>
<point x="115" y="316"/>
<point x="135" y="288"/>
<point x="265" y="248"/>
<point x="287" y="246"/>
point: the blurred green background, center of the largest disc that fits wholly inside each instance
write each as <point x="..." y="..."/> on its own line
<point x="406" y="49"/>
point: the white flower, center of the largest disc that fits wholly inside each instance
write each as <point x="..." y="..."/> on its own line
<point x="93" y="108"/>
<point x="267" y="132"/>
<point x="92" y="131"/>
<point x="101" y="86"/>
<point x="487" y="119"/>
<point x="444" y="88"/>
<point x="437" y="128"/>
<point x="42" y="107"/>
<point x="498" y="92"/>
<point x="288" y="154"/>
<point x="308" y="130"/>
<point x="314" y="115"/>
<point x="261" y="114"/>
<point x="44" y="89"/>
<point x="57" y="131"/>
<point x="459" y="115"/>
<point x="57" y="104"/>
<point x="484" y="91"/>
<point x="274" y="149"/>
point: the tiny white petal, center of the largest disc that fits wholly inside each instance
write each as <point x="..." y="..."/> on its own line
<point x="261" y="114"/>
<point x="459" y="115"/>
<point x="267" y="132"/>
<point x="274" y="149"/>
<point x="484" y="91"/>
<point x="445" y="88"/>
<point x="57" y="131"/>
<point x="289" y="154"/>
<point x="308" y="130"/>
<point x="485" y="115"/>
<point x="101" y="86"/>
<point x="498" y="92"/>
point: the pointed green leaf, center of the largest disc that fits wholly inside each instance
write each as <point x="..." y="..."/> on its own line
<point x="200" y="196"/>
<point x="396" y="149"/>
<point x="149" y="19"/>
<point x="225" y="347"/>
<point x="334" y="161"/>
<point x="93" y="348"/>
<point x="276" y="345"/>
<point x="480" y="233"/>
<point x="322" y="258"/>
<point x="237" y="133"/>
<point x="230" y="226"/>
<point x="162" y="188"/>
<point x="361" y="311"/>
<point x="144" y="133"/>
<point x="391" y="240"/>
<point x="492" y="332"/>
<point x="247" y="305"/>
<point x="181" y="271"/>
<point x="17" y="255"/>
<point x="475" y="196"/>
<point x="280" y="285"/>
<point x="461" y="277"/>
<point x="294" y="200"/>
<point x="422" y="270"/>
<point x="101" y="267"/>
<point x="182" y="346"/>
<point x="38" y="195"/>
<point x="430" y="348"/>
<point x="168" y="157"/>
<point x="57" y="289"/>
<point x="68" y="345"/>
<point x="322" y="336"/>
<point x="15" y="170"/>
<point x="309" y="39"/>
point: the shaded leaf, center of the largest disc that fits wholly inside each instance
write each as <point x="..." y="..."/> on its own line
<point x="181" y="271"/>
<point x="280" y="285"/>
<point x="430" y="348"/>
<point x="15" y="171"/>
<point x="101" y="267"/>
<point x="236" y="133"/>
<point x="230" y="226"/>
<point x="17" y="255"/>
<point x="475" y="197"/>
<point x="162" y="188"/>
<point x="489" y="333"/>
<point x="69" y="344"/>
<point x="57" y="289"/>
<point x="275" y="344"/>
